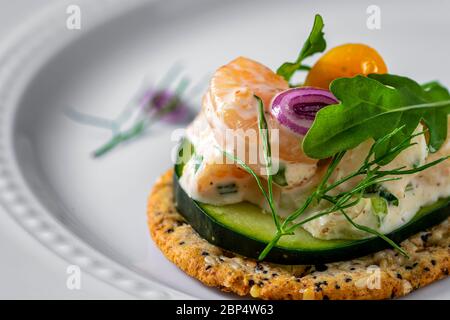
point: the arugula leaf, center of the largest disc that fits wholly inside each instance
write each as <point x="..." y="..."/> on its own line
<point x="435" y="120"/>
<point x="314" y="44"/>
<point x="411" y="93"/>
<point x="436" y="90"/>
<point x="371" y="108"/>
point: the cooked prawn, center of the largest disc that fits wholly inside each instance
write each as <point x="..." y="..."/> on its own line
<point x="230" y="104"/>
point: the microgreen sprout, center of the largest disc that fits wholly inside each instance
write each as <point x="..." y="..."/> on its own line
<point x="148" y="106"/>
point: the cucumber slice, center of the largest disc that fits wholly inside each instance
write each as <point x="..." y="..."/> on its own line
<point x="245" y="229"/>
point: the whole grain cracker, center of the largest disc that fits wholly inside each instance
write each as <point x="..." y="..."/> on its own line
<point x="382" y="275"/>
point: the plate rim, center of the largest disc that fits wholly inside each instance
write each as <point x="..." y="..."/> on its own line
<point x="16" y="197"/>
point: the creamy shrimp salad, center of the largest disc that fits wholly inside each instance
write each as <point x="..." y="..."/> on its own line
<point x="229" y="104"/>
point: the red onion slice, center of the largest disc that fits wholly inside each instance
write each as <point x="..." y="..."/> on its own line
<point x="296" y="108"/>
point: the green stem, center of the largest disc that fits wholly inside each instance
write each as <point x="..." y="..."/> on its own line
<point x="376" y="233"/>
<point x="318" y="215"/>
<point x="319" y="191"/>
<point x="368" y="229"/>
<point x="111" y="144"/>
<point x="364" y="184"/>
<point x="299" y="211"/>
<point x="304" y="67"/>
<point x="414" y="170"/>
<point x="264" y="133"/>
<point x="269" y="246"/>
<point x="119" y="138"/>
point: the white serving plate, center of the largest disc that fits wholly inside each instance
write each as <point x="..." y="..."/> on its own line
<point x="92" y="212"/>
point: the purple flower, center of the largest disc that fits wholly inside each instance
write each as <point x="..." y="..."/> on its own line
<point x="167" y="105"/>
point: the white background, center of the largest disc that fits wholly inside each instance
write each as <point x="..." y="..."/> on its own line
<point x="27" y="269"/>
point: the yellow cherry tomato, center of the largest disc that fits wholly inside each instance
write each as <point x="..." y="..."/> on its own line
<point x="347" y="60"/>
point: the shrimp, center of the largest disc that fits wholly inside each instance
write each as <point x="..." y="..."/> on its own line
<point x="230" y="104"/>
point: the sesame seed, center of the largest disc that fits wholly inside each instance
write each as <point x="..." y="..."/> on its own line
<point x="425" y="237"/>
<point x="319" y="284"/>
<point x="321" y="267"/>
